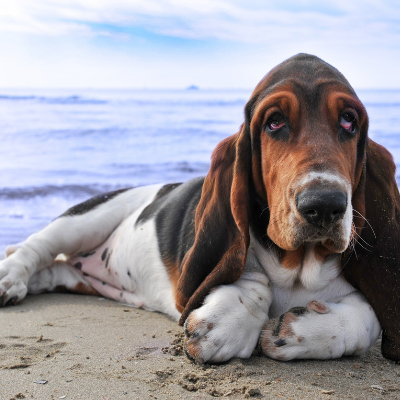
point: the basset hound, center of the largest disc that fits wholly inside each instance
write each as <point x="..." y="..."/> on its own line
<point x="289" y="246"/>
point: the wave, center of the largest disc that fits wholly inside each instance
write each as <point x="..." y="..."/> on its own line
<point x="75" y="99"/>
<point x="5" y="97"/>
<point x="189" y="102"/>
<point x="66" y="191"/>
<point x="150" y="103"/>
<point x="54" y="100"/>
<point x="181" y="166"/>
<point x="140" y="174"/>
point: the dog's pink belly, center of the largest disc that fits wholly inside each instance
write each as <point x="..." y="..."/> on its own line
<point x="99" y="270"/>
<point x="96" y="264"/>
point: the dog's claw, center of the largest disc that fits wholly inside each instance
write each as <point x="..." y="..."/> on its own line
<point x="12" y="301"/>
<point x="192" y="359"/>
<point x="186" y="329"/>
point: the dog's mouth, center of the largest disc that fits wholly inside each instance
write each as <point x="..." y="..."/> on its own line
<point x="335" y="238"/>
<point x="332" y="238"/>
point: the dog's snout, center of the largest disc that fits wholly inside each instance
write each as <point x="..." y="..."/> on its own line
<point x="321" y="207"/>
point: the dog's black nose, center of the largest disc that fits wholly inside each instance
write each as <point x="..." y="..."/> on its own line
<point x="321" y="207"/>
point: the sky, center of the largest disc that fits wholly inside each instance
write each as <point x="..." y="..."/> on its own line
<point x="176" y="43"/>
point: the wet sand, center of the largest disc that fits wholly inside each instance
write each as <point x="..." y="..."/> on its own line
<point x="82" y="347"/>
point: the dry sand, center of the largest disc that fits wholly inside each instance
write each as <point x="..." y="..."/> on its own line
<point x="89" y="348"/>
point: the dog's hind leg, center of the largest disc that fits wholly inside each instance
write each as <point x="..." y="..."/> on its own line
<point x="63" y="277"/>
<point x="78" y="231"/>
<point x="60" y="277"/>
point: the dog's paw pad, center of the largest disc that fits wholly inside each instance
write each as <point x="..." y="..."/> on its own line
<point x="292" y="335"/>
<point x="278" y="333"/>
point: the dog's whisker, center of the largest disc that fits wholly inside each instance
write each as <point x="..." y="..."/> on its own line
<point x="362" y="216"/>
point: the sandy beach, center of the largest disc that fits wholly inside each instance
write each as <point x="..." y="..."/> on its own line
<point x="64" y="346"/>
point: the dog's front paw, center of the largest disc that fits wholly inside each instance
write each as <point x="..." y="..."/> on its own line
<point x="212" y="336"/>
<point x="227" y="325"/>
<point x="297" y="333"/>
<point x="13" y="282"/>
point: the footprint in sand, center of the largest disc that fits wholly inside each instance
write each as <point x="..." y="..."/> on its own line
<point x="18" y="352"/>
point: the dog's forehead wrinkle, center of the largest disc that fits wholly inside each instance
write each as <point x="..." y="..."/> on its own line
<point x="311" y="82"/>
<point x="307" y="92"/>
<point x="308" y="102"/>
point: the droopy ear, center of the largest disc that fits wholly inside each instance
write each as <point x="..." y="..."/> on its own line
<point x="374" y="266"/>
<point x="219" y="251"/>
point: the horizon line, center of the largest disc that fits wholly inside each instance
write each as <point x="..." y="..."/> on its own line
<point x="187" y="88"/>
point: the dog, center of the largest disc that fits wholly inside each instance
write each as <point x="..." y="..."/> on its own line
<point x="289" y="245"/>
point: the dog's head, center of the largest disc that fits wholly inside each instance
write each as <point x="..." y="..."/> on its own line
<point x="308" y="131"/>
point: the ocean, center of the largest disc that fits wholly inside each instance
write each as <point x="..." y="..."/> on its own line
<point x="61" y="147"/>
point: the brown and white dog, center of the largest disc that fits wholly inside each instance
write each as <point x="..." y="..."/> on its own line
<point x="291" y="242"/>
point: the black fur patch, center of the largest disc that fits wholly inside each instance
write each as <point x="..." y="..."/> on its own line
<point x="88" y="254"/>
<point x="92" y="203"/>
<point x="78" y="265"/>
<point x="174" y="210"/>
<point x="278" y="321"/>
<point x="154" y="206"/>
<point x="175" y="221"/>
<point x="104" y="255"/>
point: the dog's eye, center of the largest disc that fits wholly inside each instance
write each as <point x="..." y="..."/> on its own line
<point x="347" y="121"/>
<point x="276" y="121"/>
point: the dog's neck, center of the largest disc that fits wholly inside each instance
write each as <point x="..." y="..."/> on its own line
<point x="303" y="267"/>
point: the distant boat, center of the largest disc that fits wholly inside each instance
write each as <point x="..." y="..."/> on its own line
<point x="192" y="87"/>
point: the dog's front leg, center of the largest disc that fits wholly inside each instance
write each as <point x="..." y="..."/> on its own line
<point x="230" y="320"/>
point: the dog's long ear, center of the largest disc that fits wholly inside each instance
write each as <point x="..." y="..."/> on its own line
<point x="219" y="251"/>
<point x="374" y="266"/>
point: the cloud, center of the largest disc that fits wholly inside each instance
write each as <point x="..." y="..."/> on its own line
<point x="359" y="22"/>
<point x="174" y="43"/>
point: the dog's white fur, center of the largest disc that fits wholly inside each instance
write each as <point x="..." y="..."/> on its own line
<point x="229" y="322"/>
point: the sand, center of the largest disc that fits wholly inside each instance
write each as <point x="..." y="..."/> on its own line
<point x="62" y="346"/>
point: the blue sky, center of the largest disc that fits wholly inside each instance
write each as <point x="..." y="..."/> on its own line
<point x="176" y="43"/>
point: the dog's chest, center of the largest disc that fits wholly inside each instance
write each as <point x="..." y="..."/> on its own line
<point x="311" y="279"/>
